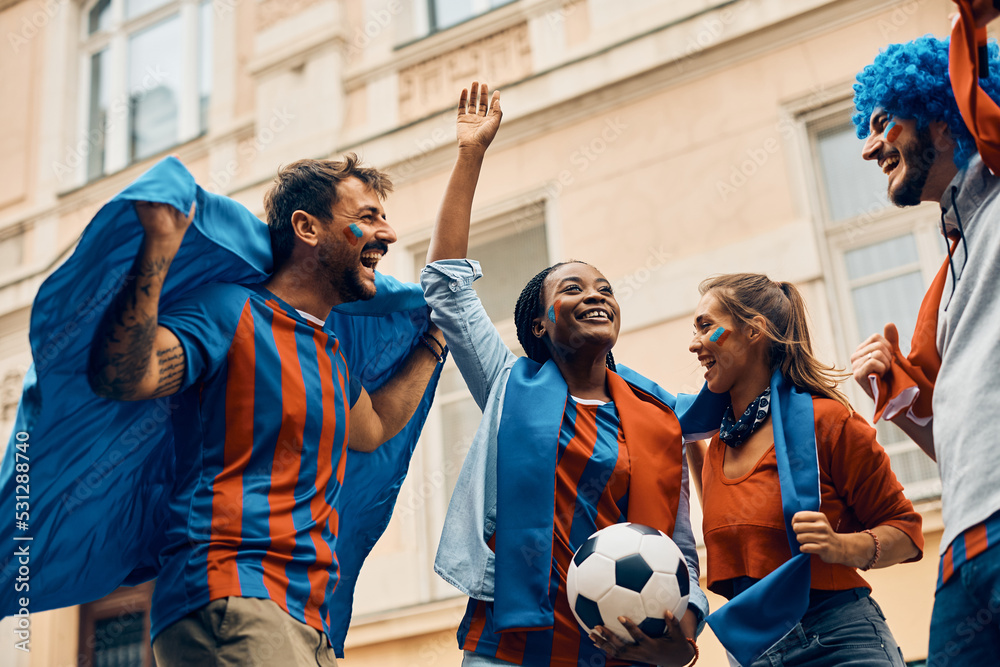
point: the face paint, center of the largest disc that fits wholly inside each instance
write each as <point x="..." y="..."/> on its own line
<point x="553" y="312"/>
<point x="719" y="336"/>
<point x="353" y="233"/>
<point x="892" y="131"/>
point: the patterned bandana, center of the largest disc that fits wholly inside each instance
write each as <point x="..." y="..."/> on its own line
<point x="735" y="434"/>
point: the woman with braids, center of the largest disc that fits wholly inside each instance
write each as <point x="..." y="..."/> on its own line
<point x="797" y="445"/>
<point x="567" y="445"/>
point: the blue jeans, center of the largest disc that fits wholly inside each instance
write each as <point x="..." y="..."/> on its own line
<point x="853" y="634"/>
<point x="965" y="624"/>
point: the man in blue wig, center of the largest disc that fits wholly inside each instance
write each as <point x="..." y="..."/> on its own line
<point x="211" y="412"/>
<point x="922" y="111"/>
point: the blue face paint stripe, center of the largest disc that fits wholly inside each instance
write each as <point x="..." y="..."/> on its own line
<point x="717" y="334"/>
<point x="356" y="230"/>
<point x="552" y="313"/>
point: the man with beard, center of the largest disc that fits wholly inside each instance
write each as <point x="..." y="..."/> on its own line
<point x="267" y="409"/>
<point x="944" y="394"/>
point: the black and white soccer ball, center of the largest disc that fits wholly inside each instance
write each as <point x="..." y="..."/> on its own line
<point x="627" y="570"/>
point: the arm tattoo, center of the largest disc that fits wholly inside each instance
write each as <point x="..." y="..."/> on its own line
<point x="121" y="352"/>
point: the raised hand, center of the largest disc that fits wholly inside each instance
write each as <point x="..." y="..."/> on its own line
<point x="478" y="117"/>
<point x="873" y="357"/>
<point x="163" y="222"/>
<point x="983" y="11"/>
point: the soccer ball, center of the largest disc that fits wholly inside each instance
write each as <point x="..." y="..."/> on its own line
<point x="627" y="570"/>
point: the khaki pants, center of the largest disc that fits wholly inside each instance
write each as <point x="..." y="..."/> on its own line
<point x="242" y="632"/>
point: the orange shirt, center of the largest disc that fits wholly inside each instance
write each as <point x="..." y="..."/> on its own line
<point x="744" y="527"/>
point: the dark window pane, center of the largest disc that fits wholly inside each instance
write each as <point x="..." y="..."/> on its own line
<point x="98" y="116"/>
<point x="890" y="254"/>
<point x="508" y="264"/>
<point x="204" y="62"/>
<point x="895" y="300"/>
<point x="154" y="72"/>
<point x="446" y="13"/>
<point x="853" y="186"/>
<point x="120" y="641"/>
<point x="449" y="12"/>
<point x="100" y="17"/>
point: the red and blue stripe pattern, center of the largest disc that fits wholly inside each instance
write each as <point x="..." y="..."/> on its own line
<point x="256" y="511"/>
<point x="967" y="546"/>
<point x="591" y="492"/>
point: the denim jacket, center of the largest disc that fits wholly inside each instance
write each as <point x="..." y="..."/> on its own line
<point x="464" y="558"/>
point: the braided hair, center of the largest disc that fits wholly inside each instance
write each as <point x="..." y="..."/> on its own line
<point x="528" y="307"/>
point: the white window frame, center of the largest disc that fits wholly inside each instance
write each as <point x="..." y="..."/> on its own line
<point x="837" y="238"/>
<point x="115" y="39"/>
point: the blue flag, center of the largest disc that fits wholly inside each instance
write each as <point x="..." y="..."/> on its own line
<point x="96" y="472"/>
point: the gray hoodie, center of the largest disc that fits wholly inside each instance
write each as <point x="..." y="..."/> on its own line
<point x="967" y="391"/>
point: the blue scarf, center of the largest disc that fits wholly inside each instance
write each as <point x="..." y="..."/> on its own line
<point x="652" y="421"/>
<point x="753" y="621"/>
<point x="100" y="476"/>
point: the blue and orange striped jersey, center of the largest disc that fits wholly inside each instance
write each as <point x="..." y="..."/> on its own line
<point x="261" y="426"/>
<point x="972" y="542"/>
<point x="591" y="492"/>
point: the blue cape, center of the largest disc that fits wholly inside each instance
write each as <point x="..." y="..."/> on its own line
<point x="753" y="621"/>
<point x="99" y="471"/>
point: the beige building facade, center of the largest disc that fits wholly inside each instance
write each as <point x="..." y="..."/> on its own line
<point x="661" y="140"/>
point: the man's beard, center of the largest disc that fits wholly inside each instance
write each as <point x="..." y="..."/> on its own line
<point x="917" y="157"/>
<point x="352" y="287"/>
<point x="346" y="281"/>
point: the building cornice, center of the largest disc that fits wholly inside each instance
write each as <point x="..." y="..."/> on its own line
<point x="440" y="43"/>
<point x="615" y="78"/>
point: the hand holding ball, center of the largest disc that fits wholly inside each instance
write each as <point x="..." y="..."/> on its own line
<point x="627" y="570"/>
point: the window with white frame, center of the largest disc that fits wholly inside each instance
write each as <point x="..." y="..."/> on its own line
<point x="883" y="259"/>
<point x="146" y="68"/>
<point x="510" y="249"/>
<point x="443" y="14"/>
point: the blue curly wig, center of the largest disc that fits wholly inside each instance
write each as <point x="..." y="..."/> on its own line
<point x="911" y="81"/>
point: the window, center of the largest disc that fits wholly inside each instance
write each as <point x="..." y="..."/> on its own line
<point x="443" y="14"/>
<point x="851" y="186"/>
<point x="147" y="76"/>
<point x="886" y="285"/>
<point x="114" y="631"/>
<point x="882" y="259"/>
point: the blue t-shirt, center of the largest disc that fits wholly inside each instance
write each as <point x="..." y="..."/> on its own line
<point x="261" y="427"/>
